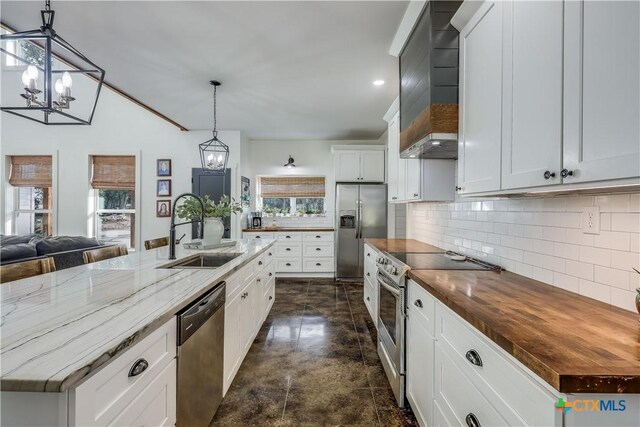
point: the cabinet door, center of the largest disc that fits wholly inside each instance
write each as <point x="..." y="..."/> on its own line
<point x="393" y="155"/>
<point x="248" y="299"/>
<point x="420" y="369"/>
<point x="232" y="356"/>
<point x="402" y="179"/>
<point x="414" y="179"/>
<point x="532" y="93"/>
<point x="602" y="106"/>
<point x="480" y="135"/>
<point x="372" y="166"/>
<point x="347" y="166"/>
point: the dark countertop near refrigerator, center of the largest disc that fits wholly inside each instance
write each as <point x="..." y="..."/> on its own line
<point x="402" y="245"/>
<point x="575" y="343"/>
<point x="285" y="229"/>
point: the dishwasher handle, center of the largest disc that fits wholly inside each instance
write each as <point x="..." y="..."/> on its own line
<point x="198" y="312"/>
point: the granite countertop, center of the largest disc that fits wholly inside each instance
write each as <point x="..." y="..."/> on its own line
<point x="60" y="327"/>
<point x="574" y="343"/>
<point x="402" y="245"/>
<point x="285" y="229"/>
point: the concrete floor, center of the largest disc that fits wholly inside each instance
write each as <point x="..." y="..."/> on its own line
<point x="314" y="363"/>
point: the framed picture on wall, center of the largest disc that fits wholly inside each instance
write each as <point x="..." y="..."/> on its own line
<point x="245" y="194"/>
<point x="163" y="167"/>
<point x="164" y="188"/>
<point x="163" y="208"/>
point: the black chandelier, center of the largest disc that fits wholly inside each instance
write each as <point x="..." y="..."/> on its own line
<point x="48" y="67"/>
<point x="214" y="153"/>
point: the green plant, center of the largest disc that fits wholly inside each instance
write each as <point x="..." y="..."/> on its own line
<point x="190" y="209"/>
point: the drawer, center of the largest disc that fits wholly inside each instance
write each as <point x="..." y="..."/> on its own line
<point x="317" y="249"/>
<point x="457" y="398"/>
<point x="240" y="278"/>
<point x="318" y="236"/>
<point x="318" y="265"/>
<point x="288" y="265"/>
<point x="370" y="269"/>
<point x="289" y="237"/>
<point x="370" y="253"/>
<point x="421" y="303"/>
<point x="514" y="390"/>
<point x="370" y="300"/>
<point x="287" y="249"/>
<point x="270" y="297"/>
<point x="100" y="399"/>
<point x="256" y="235"/>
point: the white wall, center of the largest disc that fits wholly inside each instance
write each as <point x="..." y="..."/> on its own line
<point x="311" y="158"/>
<point x="119" y="127"/>
<point x="542" y="238"/>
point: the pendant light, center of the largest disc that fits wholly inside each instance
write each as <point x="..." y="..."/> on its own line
<point x="214" y="154"/>
<point x="44" y="68"/>
<point x="290" y="163"/>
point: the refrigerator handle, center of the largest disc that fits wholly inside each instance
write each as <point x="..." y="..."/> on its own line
<point x="359" y="220"/>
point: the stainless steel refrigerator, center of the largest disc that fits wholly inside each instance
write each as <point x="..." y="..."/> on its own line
<point x="361" y="211"/>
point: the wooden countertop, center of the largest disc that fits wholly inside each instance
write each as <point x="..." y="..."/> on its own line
<point x="281" y="229"/>
<point x="576" y="344"/>
<point x="402" y="245"/>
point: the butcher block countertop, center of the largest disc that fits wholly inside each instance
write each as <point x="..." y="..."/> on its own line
<point x="402" y="245"/>
<point x="576" y="344"/>
<point x="285" y="229"/>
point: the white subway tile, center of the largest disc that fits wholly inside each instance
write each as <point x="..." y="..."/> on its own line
<point x="568" y="283"/>
<point x="605" y="221"/>
<point x="577" y="237"/>
<point x="612" y="240"/>
<point x="623" y="299"/>
<point x="595" y="256"/>
<point x="576" y="203"/>
<point x="634" y="203"/>
<point x="516" y="230"/>
<point x="613" y="203"/>
<point x="533" y="231"/>
<point x="555" y="204"/>
<point x="612" y="277"/>
<point x="625" y="260"/>
<point x="524" y="269"/>
<point x="566" y="250"/>
<point x="487" y="205"/>
<point x="567" y="219"/>
<point x="543" y="275"/>
<point x="579" y="269"/>
<point x="625" y="222"/>
<point x="595" y="290"/>
<point x="635" y="242"/>
<point x="555" y="234"/>
<point x="559" y="264"/>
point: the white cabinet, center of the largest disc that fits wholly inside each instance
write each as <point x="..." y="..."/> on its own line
<point x="393" y="157"/>
<point x="532" y="93"/>
<point x="601" y="91"/>
<point x="359" y="163"/>
<point x="413" y="179"/>
<point x="371" y="282"/>
<point x="480" y="123"/>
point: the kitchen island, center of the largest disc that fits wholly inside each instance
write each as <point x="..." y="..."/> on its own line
<point x="62" y="328"/>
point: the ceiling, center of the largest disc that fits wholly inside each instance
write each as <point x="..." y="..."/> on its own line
<point x="289" y="70"/>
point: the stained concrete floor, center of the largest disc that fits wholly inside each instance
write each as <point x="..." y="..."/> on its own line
<point x="313" y="363"/>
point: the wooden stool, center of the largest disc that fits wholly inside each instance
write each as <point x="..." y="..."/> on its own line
<point x="101" y="254"/>
<point x="24" y="269"/>
<point x="156" y="243"/>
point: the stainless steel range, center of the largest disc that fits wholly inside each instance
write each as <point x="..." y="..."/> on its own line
<point x="392" y="312"/>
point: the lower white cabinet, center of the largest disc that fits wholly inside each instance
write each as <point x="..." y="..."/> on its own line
<point x="371" y="282"/>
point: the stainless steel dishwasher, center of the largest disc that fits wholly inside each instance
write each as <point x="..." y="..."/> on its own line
<point x="200" y="358"/>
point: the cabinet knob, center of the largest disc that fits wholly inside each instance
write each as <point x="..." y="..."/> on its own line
<point x="549" y="174"/>
<point x="369" y="274"/>
<point x="368" y="299"/>
<point x="288" y="264"/>
<point x="138" y="367"/>
<point x="258" y="280"/>
<point x="415" y="194"/>
<point x="368" y="253"/>
<point x="418" y="303"/>
<point x="473" y="357"/>
<point x="259" y="262"/>
<point x="270" y="297"/>
<point x="472" y="420"/>
<point x="565" y="173"/>
<point x="318" y="249"/>
<point x="394" y="198"/>
<point x="270" y="274"/>
<point x="288" y="249"/>
<point x="318" y="264"/>
<point x="458" y="188"/>
<point x="270" y="254"/>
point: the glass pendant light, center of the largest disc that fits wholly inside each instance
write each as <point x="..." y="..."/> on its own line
<point x="214" y="154"/>
<point x="46" y="67"/>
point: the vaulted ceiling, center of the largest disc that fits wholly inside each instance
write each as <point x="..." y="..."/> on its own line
<point x="289" y="70"/>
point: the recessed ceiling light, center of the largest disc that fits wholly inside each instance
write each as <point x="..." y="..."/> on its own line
<point x="412" y="156"/>
<point x="378" y="82"/>
<point x="435" y="142"/>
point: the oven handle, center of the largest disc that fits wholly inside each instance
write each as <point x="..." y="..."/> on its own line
<point x="391" y="289"/>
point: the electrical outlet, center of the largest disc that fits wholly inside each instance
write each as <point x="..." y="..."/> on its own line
<point x="591" y="220"/>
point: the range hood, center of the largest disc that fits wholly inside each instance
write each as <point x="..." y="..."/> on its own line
<point x="429" y="85"/>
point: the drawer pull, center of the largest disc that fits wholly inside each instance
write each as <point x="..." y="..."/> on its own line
<point x="139" y="367"/>
<point x="270" y="274"/>
<point x="318" y="237"/>
<point x="472" y="420"/>
<point x="368" y="299"/>
<point x="259" y="262"/>
<point x="318" y="249"/>
<point x="368" y="274"/>
<point x="318" y="264"/>
<point x="288" y="249"/>
<point x="418" y="303"/>
<point x="368" y="254"/>
<point x="288" y="237"/>
<point x="270" y="297"/>
<point x="257" y="237"/>
<point x="288" y="264"/>
<point x="473" y="357"/>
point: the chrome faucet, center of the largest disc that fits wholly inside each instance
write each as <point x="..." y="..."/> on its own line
<point x="172" y="230"/>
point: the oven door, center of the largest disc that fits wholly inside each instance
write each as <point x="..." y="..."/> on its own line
<point x="391" y="324"/>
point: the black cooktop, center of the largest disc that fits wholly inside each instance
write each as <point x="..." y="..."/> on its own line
<point x="442" y="261"/>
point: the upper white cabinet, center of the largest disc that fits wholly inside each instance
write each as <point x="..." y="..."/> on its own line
<point x="480" y="123"/>
<point x="532" y="93"/>
<point x="359" y="163"/>
<point x="393" y="157"/>
<point x="549" y="94"/>
<point x="601" y="90"/>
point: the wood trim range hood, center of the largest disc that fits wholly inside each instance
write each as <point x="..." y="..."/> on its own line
<point x="429" y="85"/>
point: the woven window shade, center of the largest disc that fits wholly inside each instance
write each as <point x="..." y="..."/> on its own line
<point x="114" y="172"/>
<point x="292" y="186"/>
<point x="30" y="171"/>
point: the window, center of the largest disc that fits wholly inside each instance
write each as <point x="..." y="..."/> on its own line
<point x="292" y="195"/>
<point x="113" y="182"/>
<point x="32" y="201"/>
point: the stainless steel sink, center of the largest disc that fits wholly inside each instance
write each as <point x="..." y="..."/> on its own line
<point x="210" y="260"/>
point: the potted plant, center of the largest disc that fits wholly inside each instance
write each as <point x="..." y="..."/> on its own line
<point x="213" y="214"/>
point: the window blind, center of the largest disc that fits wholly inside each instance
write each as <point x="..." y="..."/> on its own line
<point x="30" y="171"/>
<point x="117" y="172"/>
<point x="292" y="186"/>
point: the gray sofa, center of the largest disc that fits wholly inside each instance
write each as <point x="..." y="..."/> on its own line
<point x="65" y="250"/>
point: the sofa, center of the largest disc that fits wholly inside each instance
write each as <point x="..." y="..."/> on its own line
<point x="65" y="250"/>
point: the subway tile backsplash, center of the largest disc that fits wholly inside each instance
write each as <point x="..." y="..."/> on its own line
<point x="542" y="238"/>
